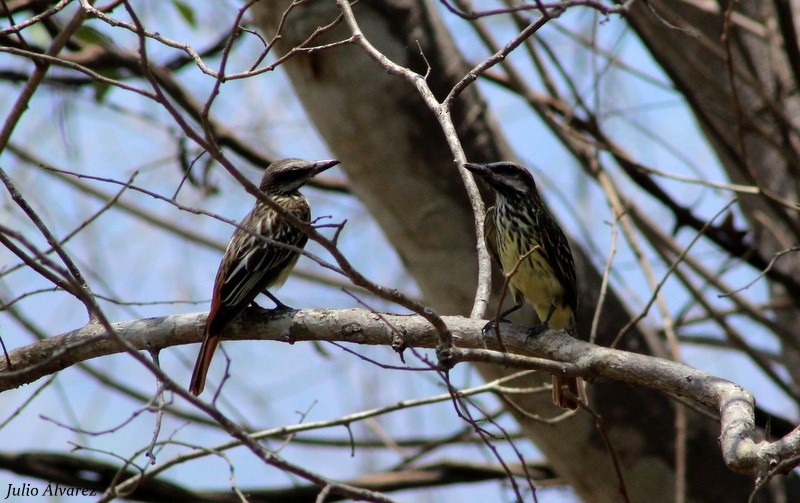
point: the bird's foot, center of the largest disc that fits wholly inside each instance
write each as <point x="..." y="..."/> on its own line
<point x="536" y="330"/>
<point x="488" y="329"/>
<point x="280" y="306"/>
<point x="254" y="305"/>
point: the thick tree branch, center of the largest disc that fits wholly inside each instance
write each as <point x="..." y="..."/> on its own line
<point x="563" y="353"/>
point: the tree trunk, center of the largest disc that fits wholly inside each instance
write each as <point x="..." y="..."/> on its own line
<point x="753" y="124"/>
<point x="400" y="166"/>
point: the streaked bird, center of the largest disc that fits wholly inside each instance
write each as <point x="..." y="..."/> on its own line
<point x="519" y="225"/>
<point x="252" y="265"/>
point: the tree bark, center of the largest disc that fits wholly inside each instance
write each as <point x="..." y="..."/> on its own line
<point x="739" y="73"/>
<point x="400" y="166"/>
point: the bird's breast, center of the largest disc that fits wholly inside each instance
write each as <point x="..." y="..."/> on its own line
<point x="534" y="276"/>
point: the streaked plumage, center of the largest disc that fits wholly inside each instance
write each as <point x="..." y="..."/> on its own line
<point x="518" y="223"/>
<point x="252" y="265"/>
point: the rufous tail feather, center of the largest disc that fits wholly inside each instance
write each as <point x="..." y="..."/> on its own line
<point x="202" y="365"/>
<point x="574" y="387"/>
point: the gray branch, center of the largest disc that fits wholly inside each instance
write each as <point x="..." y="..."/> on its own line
<point x="552" y="351"/>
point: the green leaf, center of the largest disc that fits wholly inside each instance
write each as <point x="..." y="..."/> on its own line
<point x="101" y="89"/>
<point x="91" y="36"/>
<point x="186" y="12"/>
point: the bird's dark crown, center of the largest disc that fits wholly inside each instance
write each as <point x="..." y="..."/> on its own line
<point x="288" y="175"/>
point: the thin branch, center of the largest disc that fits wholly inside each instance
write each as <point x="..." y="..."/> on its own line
<point x="442" y="113"/>
<point x="74" y="272"/>
<point x="23" y="100"/>
<point x="344" y="421"/>
<point x="672" y="267"/>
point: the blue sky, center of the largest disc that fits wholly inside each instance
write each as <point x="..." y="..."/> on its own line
<point x="276" y="383"/>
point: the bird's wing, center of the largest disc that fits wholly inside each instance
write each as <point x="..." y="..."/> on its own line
<point x="490" y="235"/>
<point x="257" y="264"/>
<point x="556" y="248"/>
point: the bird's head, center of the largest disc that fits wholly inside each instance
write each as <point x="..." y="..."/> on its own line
<point x="288" y="175"/>
<point x="508" y="179"/>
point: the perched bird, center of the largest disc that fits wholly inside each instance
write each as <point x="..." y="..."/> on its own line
<point x="520" y="224"/>
<point x="252" y="265"/>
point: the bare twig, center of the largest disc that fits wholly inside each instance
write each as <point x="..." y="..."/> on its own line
<point x="441" y="111"/>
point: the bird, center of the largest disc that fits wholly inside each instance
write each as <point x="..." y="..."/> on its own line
<point x="252" y="265"/>
<point x="519" y="229"/>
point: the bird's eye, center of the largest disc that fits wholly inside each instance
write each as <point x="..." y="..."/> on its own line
<point x="505" y="169"/>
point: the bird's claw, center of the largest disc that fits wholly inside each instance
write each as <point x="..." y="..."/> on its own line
<point x="254" y="306"/>
<point x="536" y="330"/>
<point x="491" y="325"/>
<point x="279" y="308"/>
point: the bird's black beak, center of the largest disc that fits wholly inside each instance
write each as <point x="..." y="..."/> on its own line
<point x="320" y="166"/>
<point x="480" y="170"/>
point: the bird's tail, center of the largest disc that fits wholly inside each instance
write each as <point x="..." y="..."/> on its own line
<point x="203" y="363"/>
<point x="569" y="392"/>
